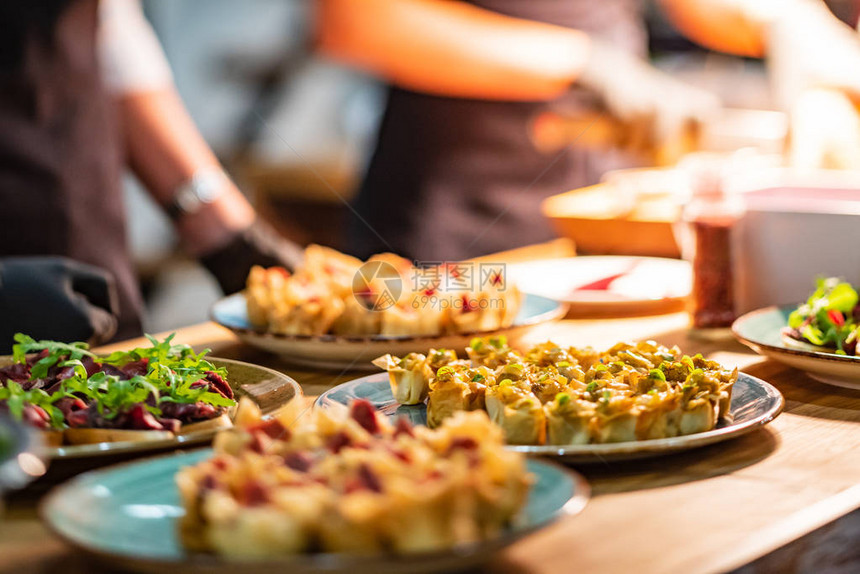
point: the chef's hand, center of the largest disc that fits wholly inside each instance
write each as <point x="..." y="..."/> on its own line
<point x="808" y="47"/>
<point x="55" y="298"/>
<point x="258" y="244"/>
<point x="651" y="104"/>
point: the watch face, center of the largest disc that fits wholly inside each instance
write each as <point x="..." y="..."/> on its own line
<point x="208" y="186"/>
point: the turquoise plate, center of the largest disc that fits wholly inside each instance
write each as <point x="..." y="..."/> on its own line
<point x="127" y="515"/>
<point x="754" y="403"/>
<point x="342" y="352"/>
<point x="761" y="331"/>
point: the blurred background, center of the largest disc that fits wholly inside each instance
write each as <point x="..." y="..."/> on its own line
<point x="295" y="130"/>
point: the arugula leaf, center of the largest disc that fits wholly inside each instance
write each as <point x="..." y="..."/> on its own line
<point x="25" y="345"/>
<point x="174" y="373"/>
<point x="16" y="398"/>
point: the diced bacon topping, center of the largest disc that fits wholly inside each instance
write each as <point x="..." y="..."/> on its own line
<point x="299" y="461"/>
<point x="403" y="426"/>
<point x="338" y="441"/>
<point x="369" y="478"/>
<point x="274" y="429"/>
<point x="365" y="415"/>
<point x="463" y="442"/>
<point x="209" y="482"/>
<point x="260" y="442"/>
<point x="253" y="494"/>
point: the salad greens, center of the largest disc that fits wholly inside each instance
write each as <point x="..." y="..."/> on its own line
<point x="829" y="318"/>
<point x="16" y="399"/>
<point x="150" y="377"/>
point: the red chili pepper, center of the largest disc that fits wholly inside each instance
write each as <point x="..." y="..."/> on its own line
<point x="837" y="317"/>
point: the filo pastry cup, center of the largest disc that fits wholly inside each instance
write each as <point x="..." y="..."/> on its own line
<point x="452" y="391"/>
<point x="409" y="377"/>
<point x="568" y="420"/>
<point x="615" y="419"/>
<point x="518" y="412"/>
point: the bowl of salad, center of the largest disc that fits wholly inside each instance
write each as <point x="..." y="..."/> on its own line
<point x="829" y="321"/>
<point x="818" y="336"/>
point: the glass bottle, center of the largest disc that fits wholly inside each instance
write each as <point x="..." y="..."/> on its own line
<point x="710" y="223"/>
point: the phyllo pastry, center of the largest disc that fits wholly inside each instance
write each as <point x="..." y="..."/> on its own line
<point x="632" y="391"/>
<point x="438" y="358"/>
<point x="491" y="352"/>
<point x="615" y="419"/>
<point x="568" y="420"/>
<point x="334" y="293"/>
<point x="408" y="320"/>
<point x="346" y="480"/>
<point x="409" y="377"/>
<point x="517" y="411"/>
<point x="357" y="318"/>
<point x="455" y="388"/>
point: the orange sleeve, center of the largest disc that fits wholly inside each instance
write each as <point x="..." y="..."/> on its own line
<point x="735" y="27"/>
<point x="451" y="48"/>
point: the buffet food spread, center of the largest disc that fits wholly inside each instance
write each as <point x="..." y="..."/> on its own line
<point x="338" y="294"/>
<point x="349" y="481"/>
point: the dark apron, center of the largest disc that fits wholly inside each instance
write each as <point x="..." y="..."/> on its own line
<point x="60" y="156"/>
<point x="456" y="178"/>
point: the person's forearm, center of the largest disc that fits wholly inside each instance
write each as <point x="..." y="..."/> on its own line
<point x="452" y="48"/>
<point x="165" y="150"/>
<point x="732" y="26"/>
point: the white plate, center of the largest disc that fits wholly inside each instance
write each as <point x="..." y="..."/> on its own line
<point x="334" y="351"/>
<point x="643" y="282"/>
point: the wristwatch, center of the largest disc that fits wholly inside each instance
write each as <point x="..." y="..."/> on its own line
<point x="205" y="186"/>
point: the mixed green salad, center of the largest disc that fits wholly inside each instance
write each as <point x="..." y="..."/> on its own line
<point x="830" y="318"/>
<point x="56" y="386"/>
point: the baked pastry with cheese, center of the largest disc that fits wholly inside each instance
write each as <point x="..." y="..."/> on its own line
<point x="569" y="396"/>
<point x="349" y="481"/>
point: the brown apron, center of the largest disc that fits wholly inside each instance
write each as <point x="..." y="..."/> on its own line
<point x="60" y="155"/>
<point x="455" y="178"/>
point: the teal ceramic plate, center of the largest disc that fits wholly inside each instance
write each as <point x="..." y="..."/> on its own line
<point x="266" y="387"/>
<point x="335" y="351"/>
<point x="754" y="403"/>
<point x="761" y="330"/>
<point x="127" y="515"/>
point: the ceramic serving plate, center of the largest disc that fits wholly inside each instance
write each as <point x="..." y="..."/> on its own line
<point x="607" y="284"/>
<point x="761" y="330"/>
<point x="127" y="515"/>
<point x="269" y="389"/>
<point x="754" y="403"/>
<point x="334" y="351"/>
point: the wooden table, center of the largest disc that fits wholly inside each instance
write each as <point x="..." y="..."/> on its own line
<point x="713" y="509"/>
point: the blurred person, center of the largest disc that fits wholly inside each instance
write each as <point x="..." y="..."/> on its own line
<point x="455" y="173"/>
<point x="84" y="91"/>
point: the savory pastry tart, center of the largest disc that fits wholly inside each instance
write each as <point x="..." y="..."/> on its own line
<point x="409" y="377"/>
<point x="456" y="388"/>
<point x="148" y="393"/>
<point x="335" y="293"/>
<point x="569" y="396"/>
<point x="347" y="480"/>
